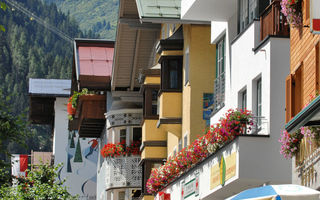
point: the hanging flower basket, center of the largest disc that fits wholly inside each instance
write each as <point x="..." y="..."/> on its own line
<point x="292" y="10"/>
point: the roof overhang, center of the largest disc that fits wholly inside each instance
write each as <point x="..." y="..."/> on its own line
<point x="173" y="43"/>
<point x="308" y="116"/>
<point x="43" y="93"/>
<point x="134" y="48"/>
<point x="163" y="11"/>
<point x="41" y="110"/>
<point x="208" y="10"/>
<point x="92" y="64"/>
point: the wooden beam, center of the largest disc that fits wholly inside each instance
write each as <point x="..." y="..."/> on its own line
<point x="135" y="59"/>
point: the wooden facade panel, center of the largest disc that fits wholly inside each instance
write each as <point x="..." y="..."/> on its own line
<point x="303" y="48"/>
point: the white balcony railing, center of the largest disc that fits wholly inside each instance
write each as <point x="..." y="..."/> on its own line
<point x="259" y="126"/>
<point x="123" y="172"/>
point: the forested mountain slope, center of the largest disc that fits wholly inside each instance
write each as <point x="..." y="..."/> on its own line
<point x="98" y="16"/>
<point x="28" y="50"/>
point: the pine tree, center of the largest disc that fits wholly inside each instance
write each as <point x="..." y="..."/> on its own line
<point x="78" y="154"/>
<point x="72" y="140"/>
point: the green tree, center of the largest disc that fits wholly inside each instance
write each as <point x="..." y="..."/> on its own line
<point x="40" y="184"/>
<point x="3" y="6"/>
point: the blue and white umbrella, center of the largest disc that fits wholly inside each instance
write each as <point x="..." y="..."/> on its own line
<point x="278" y="192"/>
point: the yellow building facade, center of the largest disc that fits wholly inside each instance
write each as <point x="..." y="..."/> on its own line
<point x="174" y="92"/>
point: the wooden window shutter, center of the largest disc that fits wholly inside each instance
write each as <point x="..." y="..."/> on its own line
<point x="289" y="102"/>
<point x="317" y="65"/>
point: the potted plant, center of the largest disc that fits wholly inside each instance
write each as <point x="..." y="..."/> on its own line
<point x="73" y="102"/>
<point x="292" y="10"/>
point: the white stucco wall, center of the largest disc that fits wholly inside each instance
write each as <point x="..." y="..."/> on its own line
<point x="80" y="176"/>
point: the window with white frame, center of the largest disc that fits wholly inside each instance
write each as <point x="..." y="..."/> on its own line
<point x="244" y="100"/>
<point x="185" y="140"/>
<point x="219" y="83"/>
<point x="259" y="102"/>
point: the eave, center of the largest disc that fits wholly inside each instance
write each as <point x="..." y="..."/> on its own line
<point x="308" y="116"/>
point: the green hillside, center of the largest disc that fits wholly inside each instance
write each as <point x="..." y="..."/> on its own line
<point x="100" y="16"/>
<point x="28" y="50"/>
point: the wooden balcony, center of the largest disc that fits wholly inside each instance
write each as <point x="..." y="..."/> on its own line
<point x="273" y="22"/>
<point x="90" y="114"/>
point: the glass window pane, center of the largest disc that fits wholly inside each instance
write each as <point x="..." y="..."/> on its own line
<point x="243" y="15"/>
<point x="173" y="74"/>
<point x="137" y="134"/>
<point x="123" y="135"/>
<point x="253" y="11"/>
<point x="244" y="100"/>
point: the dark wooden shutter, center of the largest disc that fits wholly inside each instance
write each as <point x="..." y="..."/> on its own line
<point x="288" y="98"/>
<point x="317" y="66"/>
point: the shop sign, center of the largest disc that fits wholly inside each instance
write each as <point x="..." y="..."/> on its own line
<point x="190" y="188"/>
<point x="315" y="16"/>
<point x="223" y="171"/>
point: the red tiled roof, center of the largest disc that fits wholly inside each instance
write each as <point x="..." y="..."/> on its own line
<point x="95" y="61"/>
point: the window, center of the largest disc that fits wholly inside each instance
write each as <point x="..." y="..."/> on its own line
<point x="180" y="145"/>
<point x="123" y="135"/>
<point x="219" y="83"/>
<point x="154" y="103"/>
<point x="174" y="151"/>
<point x="186" y="67"/>
<point x="185" y="141"/>
<point x="163" y="32"/>
<point x="171" y="73"/>
<point x="243" y="15"/>
<point x="150" y="102"/>
<point x="244" y="100"/>
<point x="137" y="134"/>
<point x="122" y="195"/>
<point x="259" y="101"/>
<point x="220" y="57"/>
<point x="249" y="10"/>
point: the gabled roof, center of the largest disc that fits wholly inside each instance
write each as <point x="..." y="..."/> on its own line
<point x="159" y="8"/>
<point x="49" y="87"/>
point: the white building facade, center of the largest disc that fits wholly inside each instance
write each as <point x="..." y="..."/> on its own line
<point x="78" y="156"/>
<point x="252" y="64"/>
<point x="120" y="177"/>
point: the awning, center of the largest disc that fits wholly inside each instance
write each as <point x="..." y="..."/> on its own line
<point x="308" y="116"/>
